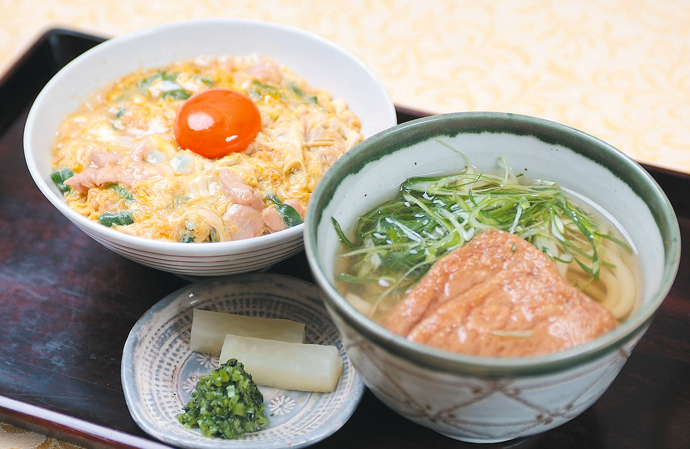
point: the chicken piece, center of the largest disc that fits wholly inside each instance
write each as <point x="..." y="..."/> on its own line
<point x="243" y="222"/>
<point x="273" y="219"/>
<point x="107" y="168"/>
<point x="295" y="204"/>
<point x="287" y="137"/>
<point x="102" y="158"/>
<point x="498" y="296"/>
<point x="266" y="71"/>
<point x="238" y="191"/>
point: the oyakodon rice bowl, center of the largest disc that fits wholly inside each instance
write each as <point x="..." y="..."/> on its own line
<point x="483" y="398"/>
<point x="105" y="197"/>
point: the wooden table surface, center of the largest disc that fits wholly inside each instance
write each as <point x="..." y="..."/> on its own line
<point x="68" y="305"/>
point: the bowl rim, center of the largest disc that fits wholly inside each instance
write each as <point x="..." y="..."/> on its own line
<point x="158" y="246"/>
<point x="452" y="124"/>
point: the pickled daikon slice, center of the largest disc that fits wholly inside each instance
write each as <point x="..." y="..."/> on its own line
<point x="279" y="364"/>
<point x="210" y="328"/>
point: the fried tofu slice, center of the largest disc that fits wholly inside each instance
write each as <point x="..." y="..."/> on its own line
<point x="498" y="296"/>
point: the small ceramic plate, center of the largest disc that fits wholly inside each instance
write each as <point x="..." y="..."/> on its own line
<point x="159" y="371"/>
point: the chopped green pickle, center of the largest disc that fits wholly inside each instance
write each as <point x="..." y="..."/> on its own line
<point x="226" y="403"/>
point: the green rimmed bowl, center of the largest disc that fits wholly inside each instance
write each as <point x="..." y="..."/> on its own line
<point x="482" y="399"/>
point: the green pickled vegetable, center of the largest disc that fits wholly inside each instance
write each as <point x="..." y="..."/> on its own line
<point x="59" y="177"/>
<point x="290" y="216"/>
<point x="110" y="219"/>
<point x="226" y="403"/>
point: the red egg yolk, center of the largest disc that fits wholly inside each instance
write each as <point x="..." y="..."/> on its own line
<point x="217" y="122"/>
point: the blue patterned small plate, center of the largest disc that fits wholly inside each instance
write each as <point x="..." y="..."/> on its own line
<point x="159" y="371"/>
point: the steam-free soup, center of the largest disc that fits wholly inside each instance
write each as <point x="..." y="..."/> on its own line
<point x="489" y="265"/>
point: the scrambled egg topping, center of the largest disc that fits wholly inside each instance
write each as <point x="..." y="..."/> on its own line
<point x="119" y="162"/>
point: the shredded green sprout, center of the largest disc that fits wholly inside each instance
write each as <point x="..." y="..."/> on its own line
<point x="399" y="240"/>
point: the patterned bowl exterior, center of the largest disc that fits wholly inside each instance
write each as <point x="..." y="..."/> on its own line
<point x="480" y="409"/>
<point x="159" y="371"/>
<point x="485" y="399"/>
<point x="251" y="255"/>
<point x="320" y="62"/>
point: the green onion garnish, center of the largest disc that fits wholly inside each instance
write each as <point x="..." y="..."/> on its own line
<point x="431" y="216"/>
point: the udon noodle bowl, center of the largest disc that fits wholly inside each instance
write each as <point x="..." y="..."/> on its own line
<point x="490" y="265"/>
<point x="206" y="150"/>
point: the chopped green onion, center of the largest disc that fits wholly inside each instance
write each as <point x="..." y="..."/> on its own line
<point x="110" y="219"/>
<point x="170" y="88"/>
<point x="309" y="99"/>
<point x="618" y="242"/>
<point x="59" y="177"/>
<point x="187" y="237"/>
<point x="122" y="192"/>
<point x="208" y="81"/>
<point x="290" y="216"/>
<point x="341" y="235"/>
<point x="176" y="94"/>
<point x="259" y="89"/>
<point x="431" y="216"/>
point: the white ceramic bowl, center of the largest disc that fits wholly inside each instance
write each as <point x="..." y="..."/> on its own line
<point x="321" y="63"/>
<point x="482" y="399"/>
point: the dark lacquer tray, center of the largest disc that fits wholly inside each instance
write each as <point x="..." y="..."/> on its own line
<point x="68" y="305"/>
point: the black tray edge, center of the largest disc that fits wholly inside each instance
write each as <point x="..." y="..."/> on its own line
<point x="69" y="429"/>
<point x="22" y="82"/>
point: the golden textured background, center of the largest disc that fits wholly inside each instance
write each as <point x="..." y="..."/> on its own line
<point x="617" y="69"/>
